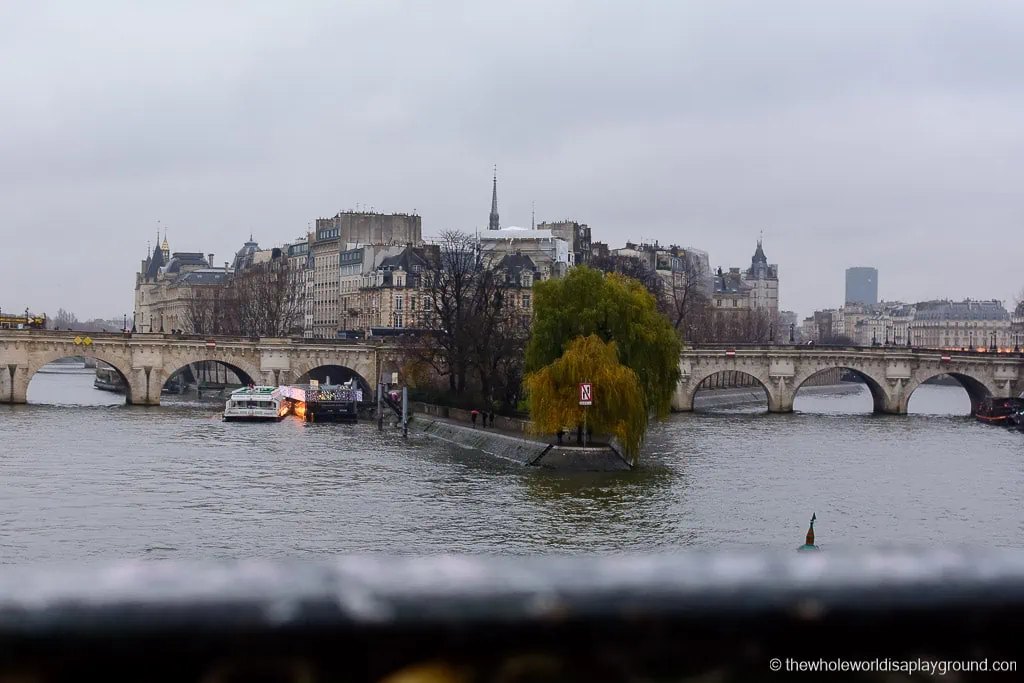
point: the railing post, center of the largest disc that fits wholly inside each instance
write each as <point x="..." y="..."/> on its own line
<point x="380" y="407"/>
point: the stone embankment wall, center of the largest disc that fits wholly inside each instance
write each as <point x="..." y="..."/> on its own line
<point x="508" y="424"/>
<point x="508" y="440"/>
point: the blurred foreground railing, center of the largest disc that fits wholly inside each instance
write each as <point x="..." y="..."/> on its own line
<point x="679" y="618"/>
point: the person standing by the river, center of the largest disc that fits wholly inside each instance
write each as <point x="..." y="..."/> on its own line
<point x="472" y="416"/>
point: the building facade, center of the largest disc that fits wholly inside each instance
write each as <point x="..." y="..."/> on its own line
<point x="732" y="294"/>
<point x="391" y="296"/>
<point x="166" y="285"/>
<point x="355" y="316"/>
<point x="763" y="279"/>
<point x="345" y="231"/>
<point x="324" y="249"/>
<point x="367" y="227"/>
<point x="550" y="254"/>
<point x="576" y="235"/>
<point x="964" y="324"/>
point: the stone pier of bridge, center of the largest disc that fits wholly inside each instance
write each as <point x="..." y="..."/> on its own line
<point x="891" y="374"/>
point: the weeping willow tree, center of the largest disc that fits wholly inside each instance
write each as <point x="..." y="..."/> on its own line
<point x="619" y="407"/>
<point x="617" y="309"/>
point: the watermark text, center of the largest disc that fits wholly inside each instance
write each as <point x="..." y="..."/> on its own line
<point x="928" y="667"/>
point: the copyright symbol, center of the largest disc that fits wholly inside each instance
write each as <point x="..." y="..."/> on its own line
<point x="775" y="664"/>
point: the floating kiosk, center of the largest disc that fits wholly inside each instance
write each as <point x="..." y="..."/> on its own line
<point x="809" y="541"/>
<point x="316" y="402"/>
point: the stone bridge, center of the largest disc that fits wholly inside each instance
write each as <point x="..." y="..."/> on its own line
<point x="146" y="361"/>
<point x="891" y="373"/>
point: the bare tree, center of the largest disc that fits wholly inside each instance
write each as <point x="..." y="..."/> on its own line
<point x="265" y="300"/>
<point x="450" y="282"/>
<point x="477" y="326"/>
<point x="64" y="319"/>
<point x="202" y="312"/>
<point x="685" y="300"/>
<point x="836" y="339"/>
<point x="500" y="329"/>
<point x="633" y="267"/>
<point x="742" y="326"/>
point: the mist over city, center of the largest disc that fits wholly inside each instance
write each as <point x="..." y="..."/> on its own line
<point x="866" y="134"/>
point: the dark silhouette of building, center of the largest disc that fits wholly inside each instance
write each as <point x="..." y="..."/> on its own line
<point x="862" y="286"/>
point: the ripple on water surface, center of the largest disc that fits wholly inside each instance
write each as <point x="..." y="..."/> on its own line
<point x="85" y="482"/>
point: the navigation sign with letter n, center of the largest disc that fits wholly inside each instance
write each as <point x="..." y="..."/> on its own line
<point x="586" y="394"/>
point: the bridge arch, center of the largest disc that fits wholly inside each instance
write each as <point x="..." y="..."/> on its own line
<point x="38" y="361"/>
<point x="246" y="371"/>
<point x="881" y="400"/>
<point x="690" y="386"/>
<point x="977" y="389"/>
<point x="338" y="373"/>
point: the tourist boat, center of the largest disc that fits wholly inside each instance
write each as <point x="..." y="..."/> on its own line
<point x="255" y="403"/>
<point x="999" y="410"/>
<point x="108" y="379"/>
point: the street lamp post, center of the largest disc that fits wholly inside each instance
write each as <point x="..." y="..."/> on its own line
<point x="792" y="333"/>
<point x="124" y="324"/>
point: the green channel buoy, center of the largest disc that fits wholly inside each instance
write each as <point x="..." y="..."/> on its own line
<point x="809" y="541"/>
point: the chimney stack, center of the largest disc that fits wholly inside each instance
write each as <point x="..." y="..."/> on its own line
<point x="211" y="261"/>
<point x="225" y="266"/>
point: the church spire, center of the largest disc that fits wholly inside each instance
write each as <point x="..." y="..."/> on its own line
<point x="493" y="223"/>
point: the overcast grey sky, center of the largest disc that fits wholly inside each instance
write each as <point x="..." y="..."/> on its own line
<point x="877" y="133"/>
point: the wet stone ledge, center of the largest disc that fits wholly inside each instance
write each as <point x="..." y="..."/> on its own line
<point x="519" y="448"/>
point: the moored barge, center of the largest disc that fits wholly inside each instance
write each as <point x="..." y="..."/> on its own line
<point x="1002" y="411"/>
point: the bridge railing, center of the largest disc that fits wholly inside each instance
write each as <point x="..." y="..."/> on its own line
<point x="722" y="617"/>
<point x="716" y="346"/>
<point x="150" y="336"/>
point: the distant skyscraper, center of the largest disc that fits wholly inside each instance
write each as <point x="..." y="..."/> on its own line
<point x="862" y="286"/>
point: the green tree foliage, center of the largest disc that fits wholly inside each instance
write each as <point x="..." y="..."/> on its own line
<point x="618" y="407"/>
<point x="615" y="308"/>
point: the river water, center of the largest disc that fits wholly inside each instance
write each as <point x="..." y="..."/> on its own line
<point x="85" y="478"/>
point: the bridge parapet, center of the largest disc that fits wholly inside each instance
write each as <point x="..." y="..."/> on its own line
<point x="891" y="373"/>
<point x="146" y="361"/>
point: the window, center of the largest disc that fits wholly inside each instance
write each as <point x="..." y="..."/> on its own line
<point x="526" y="300"/>
<point x="735" y="303"/>
<point x="398" y="302"/>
